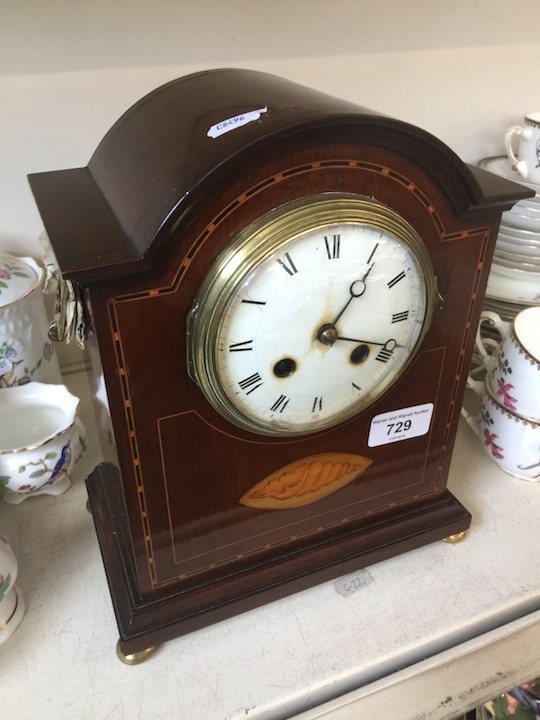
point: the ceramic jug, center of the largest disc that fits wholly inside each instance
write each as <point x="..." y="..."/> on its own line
<point x="26" y="352"/>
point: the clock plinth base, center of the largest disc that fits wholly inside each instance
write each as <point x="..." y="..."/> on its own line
<point x="144" y="623"/>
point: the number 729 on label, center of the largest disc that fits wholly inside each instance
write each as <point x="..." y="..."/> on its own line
<point x="400" y="424"/>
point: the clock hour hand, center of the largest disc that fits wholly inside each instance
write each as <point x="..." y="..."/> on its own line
<point x="328" y="333"/>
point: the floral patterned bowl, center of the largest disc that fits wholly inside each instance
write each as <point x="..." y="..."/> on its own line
<point x="41" y="440"/>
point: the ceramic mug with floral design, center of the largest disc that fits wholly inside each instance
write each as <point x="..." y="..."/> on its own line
<point x="513" y="371"/>
<point x="41" y="440"/>
<point x="512" y="441"/>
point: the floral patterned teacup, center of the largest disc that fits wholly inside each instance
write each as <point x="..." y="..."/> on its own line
<point x="512" y="441"/>
<point x="514" y="369"/>
<point x="41" y="440"/>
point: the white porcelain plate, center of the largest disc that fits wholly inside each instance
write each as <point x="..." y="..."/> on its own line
<point x="512" y="219"/>
<point x="519" y="262"/>
<point x="508" y="246"/>
<point x="512" y="288"/>
<point x="520" y="234"/>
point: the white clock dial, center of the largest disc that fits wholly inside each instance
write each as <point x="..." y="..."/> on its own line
<point x="317" y="321"/>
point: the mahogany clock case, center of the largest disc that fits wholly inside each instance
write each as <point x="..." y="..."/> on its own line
<point x="139" y="229"/>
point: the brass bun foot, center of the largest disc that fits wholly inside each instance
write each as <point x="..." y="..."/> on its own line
<point x="133" y="658"/>
<point x="454" y="539"/>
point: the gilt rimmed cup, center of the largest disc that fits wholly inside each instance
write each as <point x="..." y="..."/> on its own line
<point x="513" y="370"/>
<point x="511" y="441"/>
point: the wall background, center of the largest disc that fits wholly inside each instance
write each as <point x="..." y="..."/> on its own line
<point x="462" y="69"/>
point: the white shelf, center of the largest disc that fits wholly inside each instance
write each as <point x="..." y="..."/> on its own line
<point x="427" y="634"/>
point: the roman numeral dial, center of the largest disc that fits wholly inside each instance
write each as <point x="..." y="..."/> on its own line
<point x="332" y="244"/>
<point x="400" y="316"/>
<point x="315" y="313"/>
<point x="394" y="281"/>
<point x="287" y="263"/>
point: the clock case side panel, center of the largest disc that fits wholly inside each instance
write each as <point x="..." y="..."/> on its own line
<point x="121" y="516"/>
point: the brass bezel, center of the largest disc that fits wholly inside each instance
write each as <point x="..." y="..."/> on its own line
<point x="251" y="246"/>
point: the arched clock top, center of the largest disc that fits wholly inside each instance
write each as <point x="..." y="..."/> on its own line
<point x="194" y="131"/>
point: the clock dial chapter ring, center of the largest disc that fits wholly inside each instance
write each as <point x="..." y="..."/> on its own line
<point x="310" y="314"/>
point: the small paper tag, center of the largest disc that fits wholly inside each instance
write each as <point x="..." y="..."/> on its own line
<point x="350" y="584"/>
<point x="400" y="425"/>
<point x="237" y="121"/>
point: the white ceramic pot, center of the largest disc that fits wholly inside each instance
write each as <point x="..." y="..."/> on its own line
<point x="11" y="599"/>
<point x="26" y="352"/>
<point x="41" y="440"/>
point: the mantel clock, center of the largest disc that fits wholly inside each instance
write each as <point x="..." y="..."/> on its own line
<point x="281" y="291"/>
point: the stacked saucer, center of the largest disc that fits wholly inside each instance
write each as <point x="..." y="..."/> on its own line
<point x="514" y="280"/>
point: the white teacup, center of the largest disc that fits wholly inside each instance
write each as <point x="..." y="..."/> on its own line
<point x="41" y="440"/>
<point x="510" y="441"/>
<point x="527" y="161"/>
<point x="514" y="367"/>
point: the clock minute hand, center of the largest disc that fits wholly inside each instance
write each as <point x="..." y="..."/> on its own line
<point x="389" y="345"/>
<point x="360" y="342"/>
<point x="357" y="289"/>
<point x="361" y="351"/>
